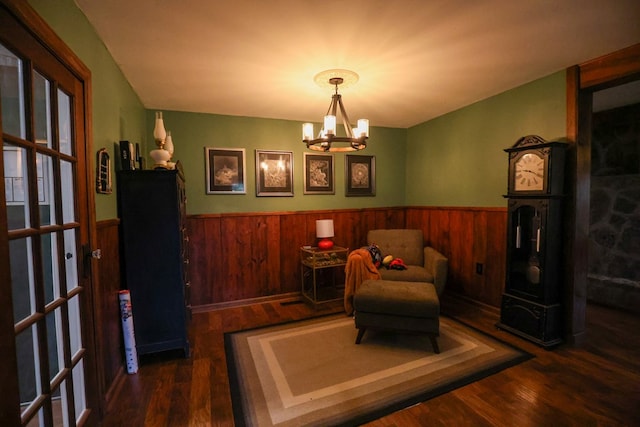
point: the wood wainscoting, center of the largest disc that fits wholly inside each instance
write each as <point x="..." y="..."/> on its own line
<point x="109" y="351"/>
<point x="236" y="257"/>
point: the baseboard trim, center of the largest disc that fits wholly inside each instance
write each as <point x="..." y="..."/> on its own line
<point x="481" y="305"/>
<point x="291" y="296"/>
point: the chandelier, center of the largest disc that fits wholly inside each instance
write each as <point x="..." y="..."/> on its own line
<point x="355" y="139"/>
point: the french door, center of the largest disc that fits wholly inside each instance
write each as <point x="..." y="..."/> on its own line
<point x="45" y="278"/>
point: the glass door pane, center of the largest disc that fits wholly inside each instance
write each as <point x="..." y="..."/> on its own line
<point x="11" y="93"/>
<point x="64" y="123"/>
<point x="15" y="186"/>
<point x="44" y="176"/>
<point x="28" y="357"/>
<point x="22" y="279"/>
<point x="41" y="109"/>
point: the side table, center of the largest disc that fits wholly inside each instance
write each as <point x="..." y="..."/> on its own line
<point x="319" y="268"/>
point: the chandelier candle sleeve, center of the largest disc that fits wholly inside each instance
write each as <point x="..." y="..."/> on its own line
<point x="363" y="128"/>
<point x="330" y="124"/>
<point x="307" y="131"/>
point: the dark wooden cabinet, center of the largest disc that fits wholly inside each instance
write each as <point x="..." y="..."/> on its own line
<point x="151" y="207"/>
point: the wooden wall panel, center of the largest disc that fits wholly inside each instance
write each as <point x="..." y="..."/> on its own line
<point x="205" y="253"/>
<point x="107" y="308"/>
<point x="418" y="218"/>
<point x="438" y="232"/>
<point x="495" y="265"/>
<point x="461" y="242"/>
<point x="295" y="231"/>
<point x="265" y="253"/>
<point x="467" y="236"/>
<point x="479" y="260"/>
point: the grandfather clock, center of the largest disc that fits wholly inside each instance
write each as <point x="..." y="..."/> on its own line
<point x="531" y="301"/>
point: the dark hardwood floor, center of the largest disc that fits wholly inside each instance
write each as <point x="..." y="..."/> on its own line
<point x="597" y="384"/>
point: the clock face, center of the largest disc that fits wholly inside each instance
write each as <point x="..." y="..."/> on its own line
<point x="529" y="173"/>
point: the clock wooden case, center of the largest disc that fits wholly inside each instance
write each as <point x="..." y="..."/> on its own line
<point x="531" y="302"/>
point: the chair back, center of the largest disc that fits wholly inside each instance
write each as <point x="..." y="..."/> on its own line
<point x="407" y="244"/>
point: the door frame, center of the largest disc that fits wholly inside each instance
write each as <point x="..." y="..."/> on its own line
<point x="42" y="32"/>
<point x="583" y="80"/>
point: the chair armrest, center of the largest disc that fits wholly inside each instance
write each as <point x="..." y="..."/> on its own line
<point x="438" y="265"/>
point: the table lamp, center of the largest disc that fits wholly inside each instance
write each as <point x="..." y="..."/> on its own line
<point x="324" y="232"/>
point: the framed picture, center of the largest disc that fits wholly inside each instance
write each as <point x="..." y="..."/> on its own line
<point x="226" y="173"/>
<point x="361" y="175"/>
<point x="103" y="172"/>
<point x="318" y="174"/>
<point x="274" y="173"/>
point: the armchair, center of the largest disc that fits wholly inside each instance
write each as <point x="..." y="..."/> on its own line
<point x="424" y="264"/>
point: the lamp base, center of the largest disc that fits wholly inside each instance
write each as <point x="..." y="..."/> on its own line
<point x="325" y="244"/>
<point x="160" y="157"/>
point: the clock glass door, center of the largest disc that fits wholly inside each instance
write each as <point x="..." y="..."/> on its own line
<point x="525" y="271"/>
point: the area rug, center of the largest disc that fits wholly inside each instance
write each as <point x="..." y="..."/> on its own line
<point x="312" y="372"/>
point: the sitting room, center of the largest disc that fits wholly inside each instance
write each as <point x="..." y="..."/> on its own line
<point x="191" y="237"/>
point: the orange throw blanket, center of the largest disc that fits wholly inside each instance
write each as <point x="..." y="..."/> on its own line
<point x="359" y="268"/>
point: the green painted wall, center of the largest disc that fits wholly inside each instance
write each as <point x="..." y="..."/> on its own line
<point x="453" y="160"/>
<point x="458" y="159"/>
<point x="192" y="132"/>
<point x="118" y="113"/>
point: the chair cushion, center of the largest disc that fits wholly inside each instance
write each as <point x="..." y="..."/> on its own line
<point x="413" y="273"/>
<point x="397" y="323"/>
<point x="410" y="299"/>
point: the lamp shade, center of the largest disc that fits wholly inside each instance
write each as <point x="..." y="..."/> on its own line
<point x="324" y="228"/>
<point x="159" y="132"/>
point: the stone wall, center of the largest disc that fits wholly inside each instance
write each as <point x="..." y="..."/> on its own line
<point x="614" y="244"/>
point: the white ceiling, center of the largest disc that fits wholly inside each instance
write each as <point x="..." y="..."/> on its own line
<point x="417" y="59"/>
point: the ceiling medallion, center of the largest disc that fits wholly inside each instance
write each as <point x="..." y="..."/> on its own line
<point x="355" y="139"/>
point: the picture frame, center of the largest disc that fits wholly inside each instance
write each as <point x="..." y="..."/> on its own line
<point x="319" y="175"/>
<point x="225" y="170"/>
<point x="360" y="173"/>
<point x="103" y="172"/>
<point x="274" y="173"/>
